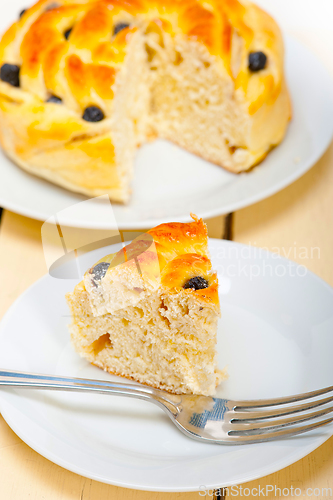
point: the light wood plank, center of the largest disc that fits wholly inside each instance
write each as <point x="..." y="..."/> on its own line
<point x="293" y="222"/>
<point x="297" y="222"/>
<point x="300" y="216"/>
<point x="21" y="257"/>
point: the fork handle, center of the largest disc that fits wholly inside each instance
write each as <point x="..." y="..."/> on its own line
<point x="37" y="381"/>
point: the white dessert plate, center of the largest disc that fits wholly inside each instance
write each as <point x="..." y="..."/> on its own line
<point x="275" y="335"/>
<point x="169" y="182"/>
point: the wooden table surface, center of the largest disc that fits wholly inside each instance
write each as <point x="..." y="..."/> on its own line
<point x="297" y="217"/>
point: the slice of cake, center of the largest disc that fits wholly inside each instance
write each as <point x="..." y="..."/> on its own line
<point x="150" y="311"/>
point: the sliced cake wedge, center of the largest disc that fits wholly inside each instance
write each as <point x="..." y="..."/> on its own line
<point x="150" y="311"/>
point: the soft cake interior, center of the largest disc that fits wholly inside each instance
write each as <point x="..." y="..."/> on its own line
<point x="177" y="91"/>
<point x="167" y="341"/>
<point x="182" y="93"/>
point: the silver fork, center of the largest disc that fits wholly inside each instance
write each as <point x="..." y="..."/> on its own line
<point x="205" y="418"/>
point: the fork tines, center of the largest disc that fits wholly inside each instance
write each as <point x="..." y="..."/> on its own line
<point x="266" y="420"/>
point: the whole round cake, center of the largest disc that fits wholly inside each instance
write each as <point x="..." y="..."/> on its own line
<point x="84" y="82"/>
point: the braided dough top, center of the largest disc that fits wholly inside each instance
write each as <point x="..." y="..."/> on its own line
<point x="81" y="69"/>
<point x="169" y="255"/>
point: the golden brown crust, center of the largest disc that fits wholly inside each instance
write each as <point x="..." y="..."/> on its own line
<point x="175" y="238"/>
<point x="182" y="252"/>
<point x="181" y="269"/>
<point x="37" y="41"/>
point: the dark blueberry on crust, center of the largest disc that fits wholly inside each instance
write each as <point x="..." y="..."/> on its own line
<point x="197" y="283"/>
<point x="120" y="26"/>
<point x="67" y="33"/>
<point x="257" y="61"/>
<point x="98" y="272"/>
<point x="10" y="73"/>
<point x="93" y="114"/>
<point x="54" y="99"/>
<point x="22" y="12"/>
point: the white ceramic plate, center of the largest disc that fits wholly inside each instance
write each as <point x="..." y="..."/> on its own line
<point x="169" y="182"/>
<point x="275" y="335"/>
